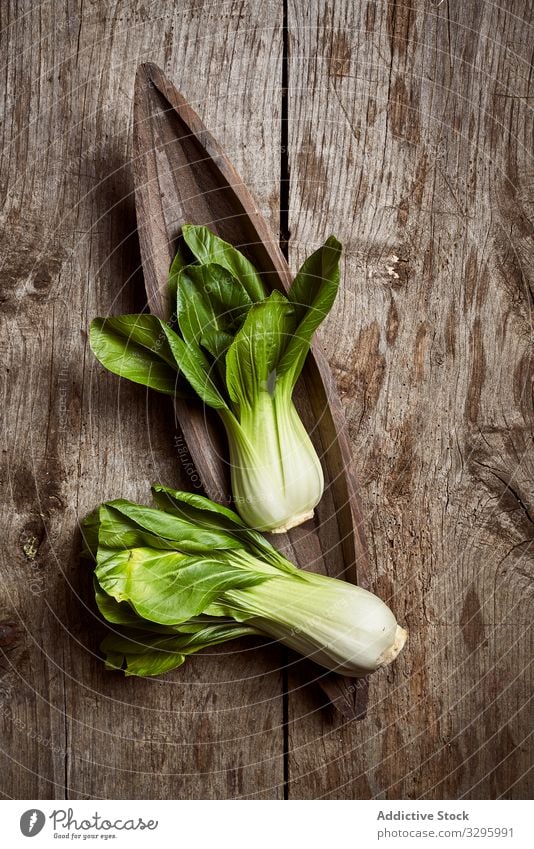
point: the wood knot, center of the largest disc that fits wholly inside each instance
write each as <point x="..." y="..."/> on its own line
<point x="42" y="277"/>
<point x="31" y="538"/>
<point x="10" y="634"/>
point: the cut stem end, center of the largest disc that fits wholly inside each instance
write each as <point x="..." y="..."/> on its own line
<point x="401" y="635"/>
<point x="293" y="522"/>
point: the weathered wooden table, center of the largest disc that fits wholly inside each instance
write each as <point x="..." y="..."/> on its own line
<point x="406" y="129"/>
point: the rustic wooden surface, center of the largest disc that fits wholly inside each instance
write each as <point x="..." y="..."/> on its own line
<point x="410" y="136"/>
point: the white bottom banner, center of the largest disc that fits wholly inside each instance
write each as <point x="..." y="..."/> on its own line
<point x="264" y="825"/>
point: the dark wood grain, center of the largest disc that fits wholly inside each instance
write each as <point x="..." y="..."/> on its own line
<point x="182" y="175"/>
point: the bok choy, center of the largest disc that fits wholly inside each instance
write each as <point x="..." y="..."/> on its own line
<point x="190" y="574"/>
<point x="241" y="351"/>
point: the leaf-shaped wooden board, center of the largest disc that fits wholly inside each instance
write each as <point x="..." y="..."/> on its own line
<point x="182" y="175"/>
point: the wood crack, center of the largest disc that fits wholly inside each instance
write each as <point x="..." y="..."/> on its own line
<point x="509" y="488"/>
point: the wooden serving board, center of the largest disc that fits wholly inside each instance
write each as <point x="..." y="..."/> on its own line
<point x="182" y="175"/>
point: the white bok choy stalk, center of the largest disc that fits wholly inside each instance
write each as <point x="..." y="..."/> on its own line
<point x="242" y="352"/>
<point x="190" y="574"/>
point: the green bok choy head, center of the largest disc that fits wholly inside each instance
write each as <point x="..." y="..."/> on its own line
<point x="242" y="352"/>
<point x="189" y="574"/>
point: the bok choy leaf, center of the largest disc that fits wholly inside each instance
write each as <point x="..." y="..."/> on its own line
<point x="172" y="581"/>
<point x="241" y="351"/>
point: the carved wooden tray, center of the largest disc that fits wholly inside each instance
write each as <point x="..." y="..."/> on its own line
<point x="182" y="175"/>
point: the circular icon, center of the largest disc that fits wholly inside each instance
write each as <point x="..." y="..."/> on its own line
<point x="32" y="822"/>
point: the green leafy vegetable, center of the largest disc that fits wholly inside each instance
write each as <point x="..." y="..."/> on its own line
<point x="210" y="299"/>
<point x="146" y="653"/>
<point x="209" y="248"/>
<point x="169" y="587"/>
<point x="163" y="604"/>
<point x="177" y="264"/>
<point x="241" y="351"/>
<point x="312" y="294"/>
<point x="134" y="346"/>
<point x="252" y="358"/>
<point x="195" y="366"/>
